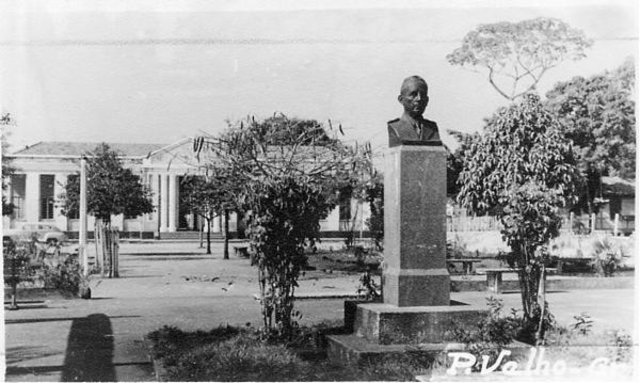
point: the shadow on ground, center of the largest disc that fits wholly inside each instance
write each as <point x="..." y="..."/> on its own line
<point x="89" y="355"/>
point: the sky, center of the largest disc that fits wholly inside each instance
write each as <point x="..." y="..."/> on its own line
<point x="157" y="71"/>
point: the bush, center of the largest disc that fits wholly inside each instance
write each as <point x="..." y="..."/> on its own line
<point x="244" y="354"/>
<point x="606" y="258"/>
<point x="66" y="276"/>
<point x="17" y="262"/>
<point x="493" y="332"/>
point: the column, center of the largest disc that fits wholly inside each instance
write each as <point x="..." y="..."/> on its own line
<point x="59" y="184"/>
<point x="155" y="190"/>
<point x="32" y="197"/>
<point x="415" y="202"/>
<point x="164" y="203"/>
<point x="173" y="202"/>
<point x="217" y="224"/>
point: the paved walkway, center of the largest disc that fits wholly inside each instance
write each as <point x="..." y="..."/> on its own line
<point x="176" y="284"/>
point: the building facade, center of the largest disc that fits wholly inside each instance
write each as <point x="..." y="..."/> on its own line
<point x="43" y="169"/>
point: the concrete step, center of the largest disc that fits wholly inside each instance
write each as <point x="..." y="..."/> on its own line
<point x="187" y="235"/>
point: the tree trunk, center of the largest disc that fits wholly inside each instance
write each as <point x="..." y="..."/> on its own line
<point x="208" y="235"/>
<point x="226" y="234"/>
<point x="201" y="227"/>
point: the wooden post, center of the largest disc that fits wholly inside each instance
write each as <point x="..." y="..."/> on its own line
<point x="593" y="223"/>
<point x="116" y="253"/>
<point x="82" y="248"/>
<point x="616" y="224"/>
<point x="571" y="222"/>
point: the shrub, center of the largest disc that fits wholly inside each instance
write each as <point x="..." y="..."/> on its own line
<point x="606" y="258"/>
<point x="243" y="354"/>
<point x="369" y="289"/>
<point x="17" y="262"/>
<point x="493" y="332"/>
<point x="66" y="276"/>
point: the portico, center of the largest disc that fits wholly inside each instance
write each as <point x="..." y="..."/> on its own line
<point x="43" y="169"/>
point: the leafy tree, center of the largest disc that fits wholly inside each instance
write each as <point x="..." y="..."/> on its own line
<point x="517" y="55"/>
<point x="112" y="189"/>
<point x="374" y="196"/>
<point x="455" y="159"/>
<point x="288" y="172"/>
<point x="210" y="195"/>
<point x="7" y="169"/>
<point x="598" y="115"/>
<point x="524" y="169"/>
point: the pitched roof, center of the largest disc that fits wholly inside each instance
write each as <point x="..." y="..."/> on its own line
<point x="72" y="149"/>
<point x="618" y="186"/>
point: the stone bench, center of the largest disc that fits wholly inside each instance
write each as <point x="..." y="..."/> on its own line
<point x="494" y="277"/>
<point x="561" y="262"/>
<point x="467" y="263"/>
<point x="241" y="251"/>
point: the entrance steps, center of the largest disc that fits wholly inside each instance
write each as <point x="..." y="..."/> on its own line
<point x="188" y="236"/>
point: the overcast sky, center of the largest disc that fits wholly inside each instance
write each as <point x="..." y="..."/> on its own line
<point x="154" y="72"/>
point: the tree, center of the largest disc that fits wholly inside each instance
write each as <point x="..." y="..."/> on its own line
<point x="598" y="115"/>
<point x="112" y="189"/>
<point x="455" y="159"/>
<point x="524" y="169"/>
<point x="288" y="177"/>
<point x="374" y="195"/>
<point x="7" y="169"/>
<point x="210" y="195"/>
<point x="517" y="55"/>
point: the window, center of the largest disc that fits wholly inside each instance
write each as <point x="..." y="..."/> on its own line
<point x="18" y="182"/>
<point x="345" y="204"/>
<point x="46" y="196"/>
<point x="73" y="210"/>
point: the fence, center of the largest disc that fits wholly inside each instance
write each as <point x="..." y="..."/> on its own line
<point x="583" y="224"/>
<point x="107" y="250"/>
<point x="471" y="223"/>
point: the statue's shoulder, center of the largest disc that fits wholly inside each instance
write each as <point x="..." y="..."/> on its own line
<point x="394" y="122"/>
<point x="430" y="122"/>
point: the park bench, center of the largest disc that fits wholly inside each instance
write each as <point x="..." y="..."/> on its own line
<point x="494" y="277"/>
<point x="467" y="264"/>
<point x="581" y="262"/>
<point x="241" y="251"/>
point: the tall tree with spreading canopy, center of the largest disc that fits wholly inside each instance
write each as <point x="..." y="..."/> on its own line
<point x="598" y="115"/>
<point x="516" y="56"/>
<point x="112" y="189"/>
<point x="288" y="172"/>
<point x="524" y="169"/>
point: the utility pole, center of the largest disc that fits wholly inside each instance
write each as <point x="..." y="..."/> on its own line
<point x="83" y="217"/>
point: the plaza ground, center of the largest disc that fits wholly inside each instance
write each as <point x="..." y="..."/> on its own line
<point x="177" y="284"/>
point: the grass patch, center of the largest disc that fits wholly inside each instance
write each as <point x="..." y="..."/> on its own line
<point x="341" y="262"/>
<point x="241" y="354"/>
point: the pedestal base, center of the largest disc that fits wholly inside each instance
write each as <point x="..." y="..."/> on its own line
<point x="405" y="288"/>
<point x="387" y="324"/>
<point x="354" y="350"/>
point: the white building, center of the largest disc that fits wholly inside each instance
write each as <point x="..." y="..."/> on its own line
<point x="42" y="171"/>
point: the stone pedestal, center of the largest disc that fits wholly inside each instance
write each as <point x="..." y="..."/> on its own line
<point x="415" y="200"/>
<point x="416" y="313"/>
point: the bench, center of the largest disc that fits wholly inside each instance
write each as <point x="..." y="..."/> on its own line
<point x="241" y="251"/>
<point x="467" y="263"/>
<point x="561" y="262"/>
<point x="494" y="277"/>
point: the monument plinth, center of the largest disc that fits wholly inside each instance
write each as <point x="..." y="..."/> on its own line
<point x="415" y="196"/>
<point x="416" y="313"/>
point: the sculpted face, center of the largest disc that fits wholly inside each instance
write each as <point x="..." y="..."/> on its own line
<point x="413" y="97"/>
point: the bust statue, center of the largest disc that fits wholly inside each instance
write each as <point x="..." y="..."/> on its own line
<point x="411" y="128"/>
